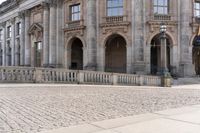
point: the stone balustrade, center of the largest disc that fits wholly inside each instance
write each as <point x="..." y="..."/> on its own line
<point x="162" y="17"/>
<point x="115" y="19"/>
<point x="16" y="74"/>
<point x="52" y="75"/>
<point x="73" y="24"/>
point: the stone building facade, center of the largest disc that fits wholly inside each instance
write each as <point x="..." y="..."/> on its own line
<point x="101" y="35"/>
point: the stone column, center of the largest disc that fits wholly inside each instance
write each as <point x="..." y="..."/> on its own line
<point x="185" y="16"/>
<point x="4" y="43"/>
<point x="101" y="56"/>
<point x="91" y="35"/>
<point x="12" y="42"/>
<point x="163" y="54"/>
<point x="52" y="34"/>
<point x="22" y="37"/>
<point x="27" y="39"/>
<point x="46" y="35"/>
<point x="138" y="29"/>
<point x="129" y="61"/>
<point x="60" y="34"/>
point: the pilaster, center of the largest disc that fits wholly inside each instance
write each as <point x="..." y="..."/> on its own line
<point x="3" y="25"/>
<point x="138" y="42"/>
<point x="52" y="34"/>
<point x="186" y="66"/>
<point x="46" y="34"/>
<point x="12" y="41"/>
<point x="22" y="38"/>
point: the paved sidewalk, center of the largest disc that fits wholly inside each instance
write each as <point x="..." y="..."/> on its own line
<point x="31" y="108"/>
<point x="180" y="120"/>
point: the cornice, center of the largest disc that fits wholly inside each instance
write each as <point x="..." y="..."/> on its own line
<point x="8" y="5"/>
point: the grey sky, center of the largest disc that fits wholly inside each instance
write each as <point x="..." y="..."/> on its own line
<point x="2" y="1"/>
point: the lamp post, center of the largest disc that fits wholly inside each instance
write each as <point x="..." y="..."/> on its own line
<point x="166" y="77"/>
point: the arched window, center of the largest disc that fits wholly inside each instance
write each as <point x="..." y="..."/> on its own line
<point x="161" y="7"/>
<point x="114" y="8"/>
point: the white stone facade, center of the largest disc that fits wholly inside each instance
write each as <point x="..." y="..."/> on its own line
<point x="47" y="23"/>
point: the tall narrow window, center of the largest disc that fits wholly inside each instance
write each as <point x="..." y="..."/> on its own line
<point x="114" y="7"/>
<point x="9" y="32"/>
<point x="75" y="12"/>
<point x="19" y="28"/>
<point x="161" y="7"/>
<point x="197" y="9"/>
<point x="38" y="54"/>
<point x="1" y="55"/>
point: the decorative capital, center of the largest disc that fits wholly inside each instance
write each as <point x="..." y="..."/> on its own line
<point x="45" y="5"/>
<point x="52" y="3"/>
<point x="3" y="24"/>
<point x="12" y="20"/>
<point x="21" y="14"/>
<point x="27" y="13"/>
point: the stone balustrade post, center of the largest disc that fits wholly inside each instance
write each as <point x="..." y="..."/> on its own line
<point x="140" y="80"/>
<point x="114" y="79"/>
<point x="80" y="77"/>
<point x="38" y="75"/>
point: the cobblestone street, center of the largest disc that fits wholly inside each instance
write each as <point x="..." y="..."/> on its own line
<point x="35" y="108"/>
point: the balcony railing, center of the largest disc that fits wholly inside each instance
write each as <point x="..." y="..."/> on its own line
<point x="162" y="17"/>
<point x="74" y="24"/>
<point x="114" y="19"/>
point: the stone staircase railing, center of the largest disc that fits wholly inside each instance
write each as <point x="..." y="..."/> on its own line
<point x="53" y="75"/>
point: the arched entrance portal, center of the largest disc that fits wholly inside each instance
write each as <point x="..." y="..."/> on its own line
<point x="196" y="54"/>
<point x="115" y="56"/>
<point x="77" y="54"/>
<point x="156" y="55"/>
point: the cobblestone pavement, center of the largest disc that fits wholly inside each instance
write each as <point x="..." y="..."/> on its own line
<point x="37" y="108"/>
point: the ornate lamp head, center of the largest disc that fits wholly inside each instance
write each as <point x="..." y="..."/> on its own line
<point x="163" y="28"/>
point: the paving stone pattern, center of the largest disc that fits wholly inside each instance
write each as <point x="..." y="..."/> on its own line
<point x="34" y="109"/>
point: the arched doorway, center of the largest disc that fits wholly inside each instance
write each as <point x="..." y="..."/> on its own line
<point x="196" y="54"/>
<point x="115" y="54"/>
<point x="156" y="55"/>
<point x="77" y="54"/>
